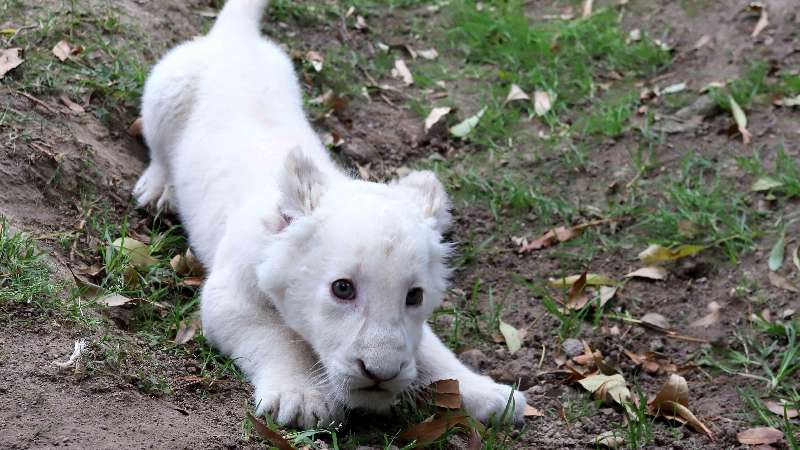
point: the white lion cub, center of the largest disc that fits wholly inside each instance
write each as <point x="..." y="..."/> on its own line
<point x="319" y="285"/>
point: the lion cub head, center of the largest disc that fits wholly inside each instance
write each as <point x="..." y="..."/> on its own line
<point x="356" y="268"/>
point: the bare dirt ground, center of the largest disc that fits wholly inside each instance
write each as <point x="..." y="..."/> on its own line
<point x="61" y="170"/>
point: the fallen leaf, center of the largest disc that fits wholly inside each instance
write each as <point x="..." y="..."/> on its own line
<point x="776" y="255"/>
<point x="63" y="50"/>
<point x="656" y="253"/>
<point x="511" y="336"/>
<point x="635" y="35"/>
<point x="462" y="129"/>
<point x="656" y="320"/>
<point x="541" y="102"/>
<point x="672" y="402"/>
<point x="606" y="387"/>
<point x="429" y="54"/>
<point x="787" y="101"/>
<point x="192" y="281"/>
<point x="702" y="42"/>
<point x="651" y="362"/>
<point x="268" y="435"/>
<point x="610" y="439"/>
<point x="759" y="436"/>
<point x="516" y="93"/>
<point x="674" y="88"/>
<point x="186" y="264"/>
<point x="9" y="59"/>
<point x="316" y="60"/>
<point x="435" y="116"/>
<point x="606" y="294"/>
<point x="187" y="329"/>
<point x="796" y="257"/>
<point x="137" y="252"/>
<point x="587" y="8"/>
<point x="576" y="291"/>
<point x="530" y="411"/>
<point x="709" y="319"/>
<point x="779" y="409"/>
<point x="741" y="120"/>
<point x="559" y="234"/>
<point x="446" y="394"/>
<point x="112" y="300"/>
<point x="74" y="107"/>
<point x="765" y="184"/>
<point x="434" y="427"/>
<point x="592" y="279"/>
<point x="401" y="71"/>
<point x="782" y="282"/>
<point x="80" y="346"/>
<point x="361" y="24"/>
<point x="763" y="20"/>
<point x="135" y="130"/>
<point x="652" y="273"/>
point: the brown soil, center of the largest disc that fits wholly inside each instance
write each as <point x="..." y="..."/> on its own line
<point x="45" y="185"/>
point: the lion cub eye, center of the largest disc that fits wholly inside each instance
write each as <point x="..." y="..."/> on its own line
<point x="343" y="289"/>
<point x="414" y="297"/>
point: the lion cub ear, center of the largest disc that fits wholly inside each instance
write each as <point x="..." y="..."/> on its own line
<point x="301" y="185"/>
<point x="430" y="195"/>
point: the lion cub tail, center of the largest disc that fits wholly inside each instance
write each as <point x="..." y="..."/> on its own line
<point x="240" y="17"/>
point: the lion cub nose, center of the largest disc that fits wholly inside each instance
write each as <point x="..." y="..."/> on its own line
<point x="378" y="374"/>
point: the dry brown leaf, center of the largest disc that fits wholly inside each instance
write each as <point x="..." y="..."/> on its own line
<point x="656" y="319"/>
<point x="651" y="362"/>
<point x="186" y="264"/>
<point x="592" y="279"/>
<point x="435" y="116"/>
<point x="63" y="50"/>
<point x="74" y="107"/>
<point x="607" y="293"/>
<point x="778" y="409"/>
<point x="429" y="54"/>
<point x="556" y="235"/>
<point x="192" y="281"/>
<point x="652" y="273"/>
<point x="446" y="394"/>
<point x="434" y="427"/>
<point x="577" y="297"/>
<point x="709" y="319"/>
<point x="135" y="130"/>
<point x="606" y="387"/>
<point x="763" y="19"/>
<point x="188" y="329"/>
<point x="138" y="252"/>
<point x="741" y="120"/>
<point x="587" y="8"/>
<point x="759" y="436"/>
<point x="516" y="93"/>
<point x="530" y="411"/>
<point x="401" y="71"/>
<point x="702" y="42"/>
<point x="316" y="60"/>
<point x="541" y="102"/>
<point x="268" y="435"/>
<point x="9" y="59"/>
<point x="782" y="282"/>
<point x="112" y="300"/>
<point x="672" y="402"/>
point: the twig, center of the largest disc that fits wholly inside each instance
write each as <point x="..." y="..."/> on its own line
<point x="37" y="101"/>
<point x="668" y="333"/>
<point x="19" y="30"/>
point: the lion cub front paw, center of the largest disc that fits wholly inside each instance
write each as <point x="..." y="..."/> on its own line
<point x="296" y="406"/>
<point x="488" y="401"/>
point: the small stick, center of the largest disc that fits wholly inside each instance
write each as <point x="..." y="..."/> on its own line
<point x="667" y="333"/>
<point x="37" y="101"/>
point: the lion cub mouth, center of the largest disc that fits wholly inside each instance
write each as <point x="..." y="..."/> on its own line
<point x="373" y="388"/>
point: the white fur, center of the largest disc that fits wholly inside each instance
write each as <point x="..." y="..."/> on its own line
<point x="276" y="222"/>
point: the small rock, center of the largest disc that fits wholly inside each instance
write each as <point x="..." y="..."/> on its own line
<point x="572" y="347"/>
<point x="473" y="358"/>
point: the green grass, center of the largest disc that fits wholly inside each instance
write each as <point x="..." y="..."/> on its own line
<point x="785" y="170"/>
<point x="112" y="71"/>
<point x="24" y="275"/>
